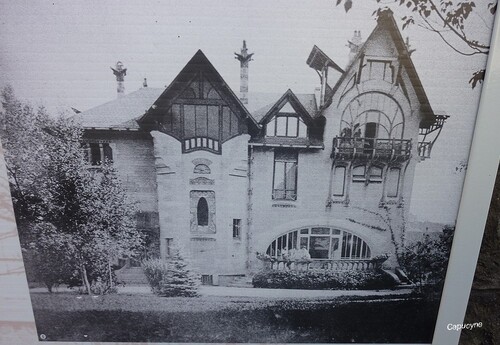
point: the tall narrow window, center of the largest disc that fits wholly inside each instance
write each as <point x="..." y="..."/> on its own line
<point x="392" y="182"/>
<point x="168" y="247"/>
<point x="202" y="212"/>
<point x="285" y="175"/>
<point x="339" y="181"/>
<point x="97" y="153"/>
<point x="237" y="228"/>
<point x="108" y="153"/>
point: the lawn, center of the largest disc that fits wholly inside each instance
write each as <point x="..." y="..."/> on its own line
<point x="148" y="318"/>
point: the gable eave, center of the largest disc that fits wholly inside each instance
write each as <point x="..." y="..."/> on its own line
<point x="175" y="87"/>
<point x="288" y="96"/>
<point x="386" y="20"/>
<point x="317" y="60"/>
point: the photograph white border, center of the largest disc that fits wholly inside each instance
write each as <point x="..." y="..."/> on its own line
<point x="475" y="202"/>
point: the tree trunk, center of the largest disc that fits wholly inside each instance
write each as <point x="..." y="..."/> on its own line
<point x="86" y="280"/>
<point x="110" y="275"/>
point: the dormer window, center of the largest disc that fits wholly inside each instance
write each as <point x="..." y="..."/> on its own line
<point x="286" y="125"/>
<point x="378" y="69"/>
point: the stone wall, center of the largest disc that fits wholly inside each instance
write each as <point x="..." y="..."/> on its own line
<point x="213" y="251"/>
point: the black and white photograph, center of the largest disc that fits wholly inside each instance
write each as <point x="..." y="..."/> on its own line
<point x="238" y="171"/>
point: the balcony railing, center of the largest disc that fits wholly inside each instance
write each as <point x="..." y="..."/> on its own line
<point x="348" y="148"/>
<point x="324" y="265"/>
<point x="424" y="149"/>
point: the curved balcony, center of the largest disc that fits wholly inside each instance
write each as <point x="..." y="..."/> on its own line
<point x="358" y="148"/>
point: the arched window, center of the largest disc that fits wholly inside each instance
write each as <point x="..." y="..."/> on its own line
<point x="202" y="212"/>
<point x="373" y="115"/>
<point x="322" y="243"/>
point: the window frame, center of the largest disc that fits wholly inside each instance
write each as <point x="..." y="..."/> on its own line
<point x="237" y="228"/>
<point x="286" y="161"/>
<point x="104" y="150"/>
<point x="344" y="184"/>
<point x="169" y="242"/>
<point x="349" y="245"/>
<point x="287" y="134"/>
<point x="202" y="212"/>
<point x="388" y="70"/>
<point x="397" y="189"/>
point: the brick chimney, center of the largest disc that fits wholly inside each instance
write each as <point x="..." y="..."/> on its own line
<point x="244" y="59"/>
<point x="120" y="74"/>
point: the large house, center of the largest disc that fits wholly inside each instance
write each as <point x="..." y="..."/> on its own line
<point x="225" y="177"/>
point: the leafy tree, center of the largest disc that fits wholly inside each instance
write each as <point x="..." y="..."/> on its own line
<point x="72" y="218"/>
<point x="426" y="261"/>
<point x="50" y="257"/>
<point x="450" y="20"/>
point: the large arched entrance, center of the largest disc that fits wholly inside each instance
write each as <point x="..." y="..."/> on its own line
<point x="322" y="243"/>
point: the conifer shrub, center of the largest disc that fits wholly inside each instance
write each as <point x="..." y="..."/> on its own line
<point x="323" y="280"/>
<point x="172" y="277"/>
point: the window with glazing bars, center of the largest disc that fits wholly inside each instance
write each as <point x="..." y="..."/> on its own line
<point x="285" y="175"/>
<point x="97" y="153"/>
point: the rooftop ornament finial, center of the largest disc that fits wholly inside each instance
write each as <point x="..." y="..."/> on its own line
<point x="244" y="58"/>
<point x="120" y="72"/>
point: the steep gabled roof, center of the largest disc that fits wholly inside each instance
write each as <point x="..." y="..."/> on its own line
<point x="265" y="113"/>
<point x="318" y="60"/>
<point x="120" y="113"/>
<point x="386" y="21"/>
<point x="305" y="107"/>
<point x="198" y="62"/>
<point x="260" y="103"/>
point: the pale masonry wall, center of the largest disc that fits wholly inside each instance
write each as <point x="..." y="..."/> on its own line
<point x="213" y="251"/>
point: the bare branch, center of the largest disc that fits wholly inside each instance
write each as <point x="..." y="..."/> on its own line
<point x="439" y="32"/>
<point x="463" y="37"/>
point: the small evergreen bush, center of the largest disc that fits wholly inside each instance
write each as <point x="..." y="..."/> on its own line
<point x="172" y="277"/>
<point x="324" y="280"/>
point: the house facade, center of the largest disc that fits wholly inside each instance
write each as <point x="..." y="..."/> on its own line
<point x="225" y="177"/>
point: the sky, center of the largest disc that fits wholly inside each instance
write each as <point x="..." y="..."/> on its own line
<point x="59" y="53"/>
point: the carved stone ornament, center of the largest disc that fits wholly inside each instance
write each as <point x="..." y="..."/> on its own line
<point x="201" y="181"/>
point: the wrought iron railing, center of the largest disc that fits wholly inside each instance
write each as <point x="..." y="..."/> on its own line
<point x="348" y="148"/>
<point x="424" y="149"/>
